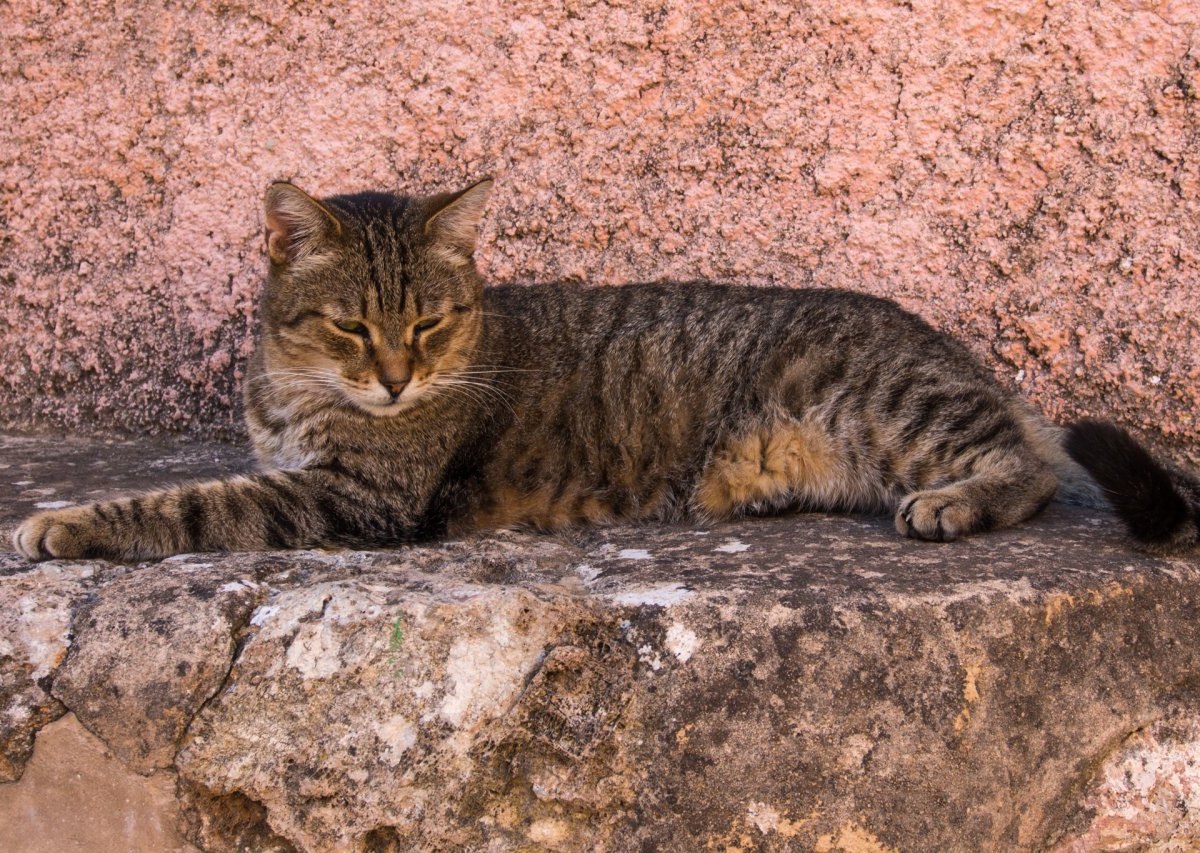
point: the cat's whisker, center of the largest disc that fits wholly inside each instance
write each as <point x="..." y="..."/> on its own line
<point x="487" y="370"/>
<point x="307" y="377"/>
<point x="465" y="385"/>
<point x="321" y="376"/>
<point x="467" y="380"/>
<point x="304" y="384"/>
<point x="465" y="392"/>
<point x="293" y="373"/>
<point x="482" y="376"/>
<point x="450" y="390"/>
<point x="493" y="381"/>
<point x="292" y="380"/>
<point x="298" y="369"/>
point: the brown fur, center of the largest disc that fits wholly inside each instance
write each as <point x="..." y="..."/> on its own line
<point x="769" y="466"/>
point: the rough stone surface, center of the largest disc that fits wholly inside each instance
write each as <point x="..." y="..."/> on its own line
<point x="35" y="624"/>
<point x="1147" y="795"/>
<point x="807" y="682"/>
<point x="40" y="603"/>
<point x="154" y="653"/>
<point x="1026" y="174"/>
<point x="49" y="472"/>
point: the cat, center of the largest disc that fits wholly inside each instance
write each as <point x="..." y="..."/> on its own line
<point x="393" y="398"/>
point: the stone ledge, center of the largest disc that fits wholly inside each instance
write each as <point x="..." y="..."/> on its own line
<point x="808" y="682"/>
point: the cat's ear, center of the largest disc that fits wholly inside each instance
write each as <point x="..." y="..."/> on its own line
<point x="297" y="224"/>
<point x="453" y="218"/>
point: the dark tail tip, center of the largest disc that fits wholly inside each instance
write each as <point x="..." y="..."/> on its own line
<point x="1141" y="490"/>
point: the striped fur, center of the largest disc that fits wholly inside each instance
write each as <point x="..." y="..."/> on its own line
<point x="393" y="398"/>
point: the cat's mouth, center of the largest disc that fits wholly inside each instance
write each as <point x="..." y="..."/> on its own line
<point x="382" y="403"/>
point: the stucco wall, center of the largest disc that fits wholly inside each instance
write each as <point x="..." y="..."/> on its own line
<point x="1025" y="174"/>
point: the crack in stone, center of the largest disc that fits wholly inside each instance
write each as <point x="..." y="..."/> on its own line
<point x="1061" y="813"/>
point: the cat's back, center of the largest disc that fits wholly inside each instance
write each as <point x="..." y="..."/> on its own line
<point x="698" y="323"/>
<point x="616" y="360"/>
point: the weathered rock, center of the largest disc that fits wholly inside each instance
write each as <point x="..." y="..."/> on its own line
<point x="149" y="652"/>
<point x="809" y="682"/>
<point x="35" y="621"/>
<point x="1147" y="794"/>
<point x="407" y="687"/>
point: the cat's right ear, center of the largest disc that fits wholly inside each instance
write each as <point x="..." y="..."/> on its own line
<point x="297" y="224"/>
<point x="454" y="218"/>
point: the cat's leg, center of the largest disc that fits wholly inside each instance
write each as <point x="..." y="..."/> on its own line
<point x="286" y="509"/>
<point x="773" y="464"/>
<point x="1005" y="486"/>
<point x="786" y="462"/>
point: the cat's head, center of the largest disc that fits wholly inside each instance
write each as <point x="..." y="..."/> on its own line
<point x="372" y="299"/>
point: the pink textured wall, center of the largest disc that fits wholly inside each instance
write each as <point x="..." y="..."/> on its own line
<point x="1027" y="174"/>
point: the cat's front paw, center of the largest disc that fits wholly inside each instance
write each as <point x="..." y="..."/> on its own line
<point x="58" y="533"/>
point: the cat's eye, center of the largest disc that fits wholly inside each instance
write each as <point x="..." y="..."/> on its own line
<point x="425" y="325"/>
<point x="354" y="327"/>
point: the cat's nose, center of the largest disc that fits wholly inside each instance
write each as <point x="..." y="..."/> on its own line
<point x="393" y="370"/>
<point x="395" y="387"/>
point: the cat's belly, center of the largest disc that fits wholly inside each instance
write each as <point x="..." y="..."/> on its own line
<point x="765" y="467"/>
<point x="555" y="508"/>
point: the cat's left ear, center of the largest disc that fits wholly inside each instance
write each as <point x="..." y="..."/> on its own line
<point x="453" y="220"/>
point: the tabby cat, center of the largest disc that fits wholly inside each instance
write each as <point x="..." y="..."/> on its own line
<point x="394" y="398"/>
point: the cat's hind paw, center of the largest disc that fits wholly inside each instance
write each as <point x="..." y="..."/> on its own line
<point x="61" y="533"/>
<point x="938" y="515"/>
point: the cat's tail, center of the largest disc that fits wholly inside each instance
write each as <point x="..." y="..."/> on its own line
<point x="1159" y="504"/>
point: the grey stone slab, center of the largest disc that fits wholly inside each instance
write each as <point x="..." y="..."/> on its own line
<point x="51" y="469"/>
<point x="805" y="682"/>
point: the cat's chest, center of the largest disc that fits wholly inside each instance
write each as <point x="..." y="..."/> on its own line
<point x="294" y="444"/>
<point x="287" y="449"/>
<point x="385" y="446"/>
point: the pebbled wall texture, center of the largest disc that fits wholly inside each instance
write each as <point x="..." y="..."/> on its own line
<point x="1025" y="174"/>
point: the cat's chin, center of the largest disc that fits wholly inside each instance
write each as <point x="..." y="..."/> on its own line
<point x="386" y="411"/>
